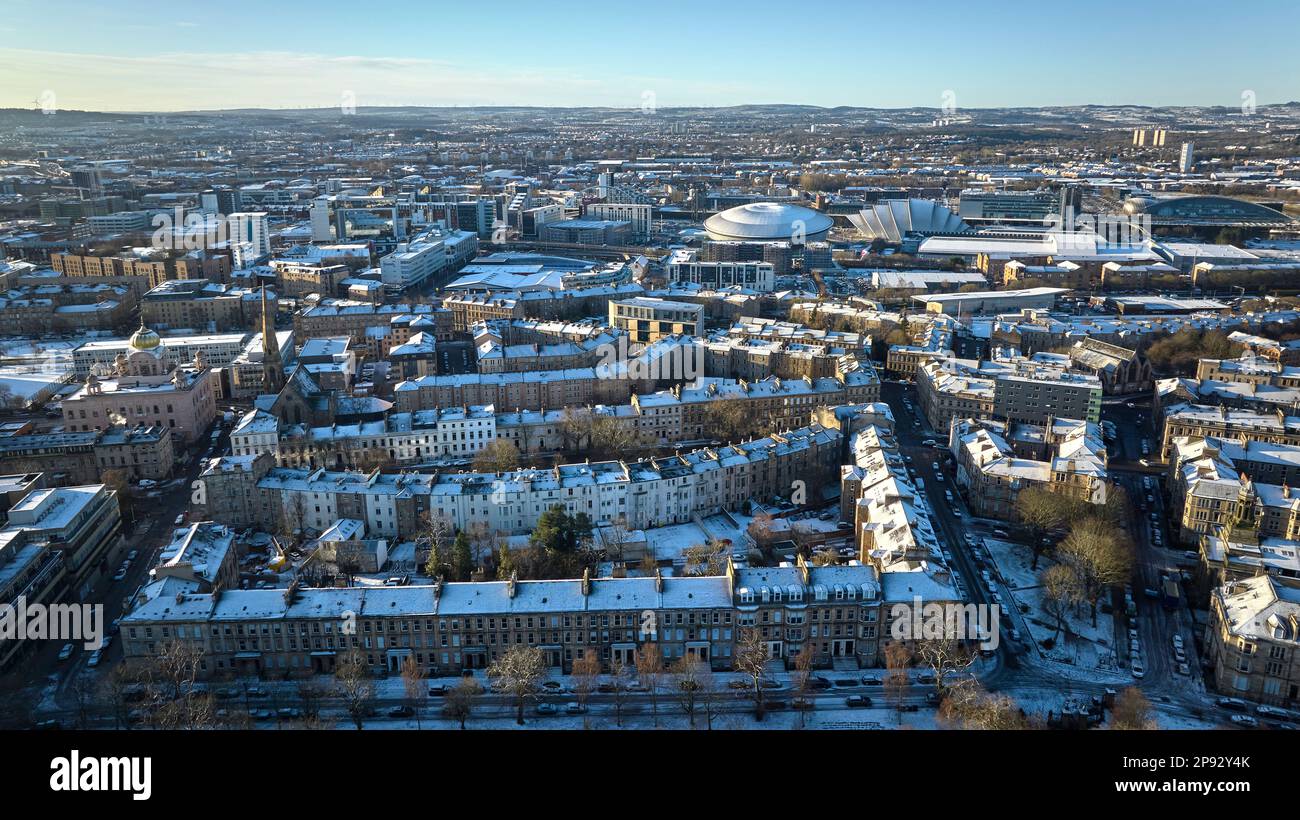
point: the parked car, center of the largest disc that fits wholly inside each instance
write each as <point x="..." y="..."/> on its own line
<point x="870" y="680"/>
<point x="547" y="709"/>
<point x="1138" y="669"/>
<point x="260" y="714"/>
<point x="66" y="652"/>
<point x="94" y="658"/>
<point x="1245" y="720"/>
<point x="857" y="701"/>
<point x="289" y="713"/>
<point x="574" y="708"/>
<point x="802" y="705"/>
<point x="120" y="574"/>
<point x="1232" y="704"/>
<point x="401" y="712"/>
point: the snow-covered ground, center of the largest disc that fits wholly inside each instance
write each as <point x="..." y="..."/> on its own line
<point x="1082" y="651"/>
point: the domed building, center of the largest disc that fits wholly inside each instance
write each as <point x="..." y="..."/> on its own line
<point x="145" y="357"/>
<point x="768" y="222"/>
<point x="143" y="388"/>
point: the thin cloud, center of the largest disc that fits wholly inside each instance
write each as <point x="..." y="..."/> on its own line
<point x="277" y="79"/>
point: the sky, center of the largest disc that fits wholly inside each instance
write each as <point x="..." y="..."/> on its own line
<point x="131" y="55"/>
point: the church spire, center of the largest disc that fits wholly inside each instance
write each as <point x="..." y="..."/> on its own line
<point x="272" y="366"/>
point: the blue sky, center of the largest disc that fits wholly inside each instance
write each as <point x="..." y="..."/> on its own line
<point x="132" y="55"/>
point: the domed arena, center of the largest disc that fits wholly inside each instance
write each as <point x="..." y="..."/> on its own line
<point x="768" y="222"/>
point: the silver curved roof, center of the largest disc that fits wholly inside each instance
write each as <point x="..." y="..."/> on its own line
<point x="892" y="219"/>
<point x="768" y="222"/>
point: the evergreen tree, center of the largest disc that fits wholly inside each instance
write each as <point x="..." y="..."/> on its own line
<point x="505" y="564"/>
<point x="462" y="561"/>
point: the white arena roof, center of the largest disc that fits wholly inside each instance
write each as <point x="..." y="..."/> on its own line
<point x="768" y="222"/>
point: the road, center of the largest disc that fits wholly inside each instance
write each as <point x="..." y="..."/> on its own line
<point x="950" y="519"/>
<point x="1167" y="689"/>
<point x="149" y="533"/>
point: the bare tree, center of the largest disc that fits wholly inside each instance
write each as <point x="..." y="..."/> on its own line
<point x="688" y="674"/>
<point x="944" y="656"/>
<point x="309" y="697"/>
<point x="114" y="694"/>
<point x="1062" y="592"/>
<point x="728" y="420"/>
<point x="460" y="700"/>
<point x="802" y="678"/>
<point x="439" y="534"/>
<point x="518" y="673"/>
<point x="355" y="686"/>
<point x="616" y="537"/>
<point x="1100" y="555"/>
<point x="618" y="681"/>
<point x="968" y="706"/>
<point x="650" y="669"/>
<point x="498" y="456"/>
<point x="1132" y="710"/>
<point x="706" y="559"/>
<point x="172" y="701"/>
<point x="575" y="428"/>
<point x="751" y="660"/>
<point x="293" y="518"/>
<point x="712" y="695"/>
<point x="586" y="676"/>
<point x="417" y="693"/>
<point x="897" y="658"/>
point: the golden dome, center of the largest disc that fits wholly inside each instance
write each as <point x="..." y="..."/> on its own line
<point x="145" y="339"/>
